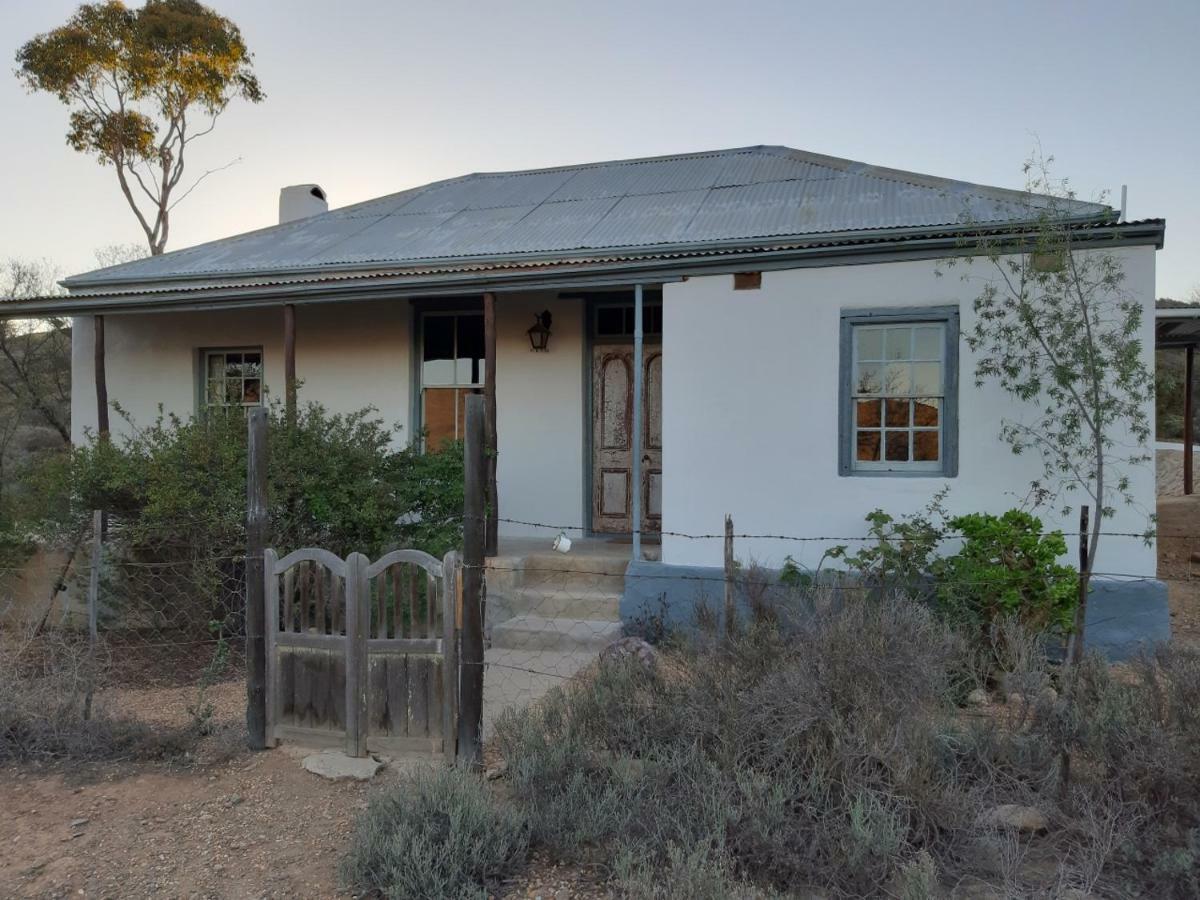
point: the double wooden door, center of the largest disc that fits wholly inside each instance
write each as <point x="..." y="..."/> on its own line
<point x="612" y="439"/>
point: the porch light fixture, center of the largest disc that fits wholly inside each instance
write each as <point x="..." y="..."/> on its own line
<point x="539" y="333"/>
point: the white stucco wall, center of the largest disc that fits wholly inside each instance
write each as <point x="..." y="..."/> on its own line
<point x="750" y="416"/>
<point x="360" y="354"/>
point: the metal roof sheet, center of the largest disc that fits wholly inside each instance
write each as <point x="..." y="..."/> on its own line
<point x="698" y="201"/>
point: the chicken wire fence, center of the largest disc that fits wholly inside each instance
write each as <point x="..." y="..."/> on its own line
<point x="107" y="626"/>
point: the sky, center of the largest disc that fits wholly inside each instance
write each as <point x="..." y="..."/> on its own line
<point x="369" y="97"/>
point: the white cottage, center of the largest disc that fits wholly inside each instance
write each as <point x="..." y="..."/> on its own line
<point x="765" y="275"/>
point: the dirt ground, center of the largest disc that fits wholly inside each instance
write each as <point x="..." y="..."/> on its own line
<point x="231" y="824"/>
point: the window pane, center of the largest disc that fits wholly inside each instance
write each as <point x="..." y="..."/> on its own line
<point x="870" y="343"/>
<point x="868" y="380"/>
<point x="252" y="393"/>
<point x="925" y="446"/>
<point x="437" y="350"/>
<point x="925" y="412"/>
<point x="927" y="378"/>
<point x="897" y="413"/>
<point x="653" y="320"/>
<point x="233" y="365"/>
<point x="252" y="365"/>
<point x="440" y="417"/>
<point x="868" y="413"/>
<point x="216" y="365"/>
<point x="897" y="379"/>
<point x="897" y="446"/>
<point x="868" y="446"/>
<point x="233" y="391"/>
<point x="609" y="321"/>
<point x="470" y="349"/>
<point x="898" y="343"/>
<point x="216" y="393"/>
<point x="927" y="343"/>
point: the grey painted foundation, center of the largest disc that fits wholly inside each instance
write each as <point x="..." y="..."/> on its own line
<point x="1123" y="615"/>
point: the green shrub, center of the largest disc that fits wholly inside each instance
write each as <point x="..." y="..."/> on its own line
<point x="175" y="492"/>
<point x="439" y="835"/>
<point x="1007" y="567"/>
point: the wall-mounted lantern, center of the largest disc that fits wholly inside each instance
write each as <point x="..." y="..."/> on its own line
<point x="539" y="333"/>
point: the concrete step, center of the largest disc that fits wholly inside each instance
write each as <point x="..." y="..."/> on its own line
<point x="554" y="602"/>
<point x="598" y="573"/>
<point x="530" y="632"/>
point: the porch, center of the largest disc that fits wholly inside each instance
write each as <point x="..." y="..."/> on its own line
<point x="573" y="421"/>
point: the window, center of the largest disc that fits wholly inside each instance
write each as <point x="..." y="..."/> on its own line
<point x="899" y="390"/>
<point x="233" y="377"/>
<point x="616" y="320"/>
<point x="452" y="361"/>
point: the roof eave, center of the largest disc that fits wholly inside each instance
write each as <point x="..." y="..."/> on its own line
<point x="541" y="274"/>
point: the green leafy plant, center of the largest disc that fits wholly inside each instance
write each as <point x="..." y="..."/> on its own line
<point x="900" y="551"/>
<point x="1007" y="568"/>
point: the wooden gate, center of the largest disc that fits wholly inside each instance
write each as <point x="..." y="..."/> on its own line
<point x="361" y="654"/>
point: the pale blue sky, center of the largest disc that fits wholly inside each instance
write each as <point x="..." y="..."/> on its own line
<point x="367" y="97"/>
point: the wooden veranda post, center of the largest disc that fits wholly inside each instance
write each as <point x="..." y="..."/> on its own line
<point x="289" y="362"/>
<point x="1187" y="418"/>
<point x="256" y="539"/>
<point x="470" y="719"/>
<point x="492" y="538"/>
<point x="101" y="379"/>
<point x="1075" y="645"/>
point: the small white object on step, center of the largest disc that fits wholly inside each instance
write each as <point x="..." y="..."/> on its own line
<point x="562" y="543"/>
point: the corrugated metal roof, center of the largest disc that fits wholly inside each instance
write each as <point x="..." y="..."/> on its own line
<point x="693" y="201"/>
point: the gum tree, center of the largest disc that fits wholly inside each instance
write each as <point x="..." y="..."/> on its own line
<point x="142" y="85"/>
<point x="1057" y="328"/>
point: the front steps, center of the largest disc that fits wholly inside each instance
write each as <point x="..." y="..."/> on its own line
<point x="555" y="602"/>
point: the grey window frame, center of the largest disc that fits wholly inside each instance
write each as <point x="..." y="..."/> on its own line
<point x="948" y="317"/>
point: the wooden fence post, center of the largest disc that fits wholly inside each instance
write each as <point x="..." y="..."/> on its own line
<point x="470" y="721"/>
<point x="358" y="623"/>
<point x="256" y="539"/>
<point x="450" y="570"/>
<point x="93" y="607"/>
<point x="730" y="596"/>
<point x="101" y="378"/>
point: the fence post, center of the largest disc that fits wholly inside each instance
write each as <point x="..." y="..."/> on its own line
<point x="449" y="654"/>
<point x="730" y="598"/>
<point x="470" y="721"/>
<point x="256" y="539"/>
<point x="93" y="606"/>
<point x="358" y="623"/>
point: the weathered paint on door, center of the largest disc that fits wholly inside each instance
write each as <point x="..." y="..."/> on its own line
<point x="612" y="439"/>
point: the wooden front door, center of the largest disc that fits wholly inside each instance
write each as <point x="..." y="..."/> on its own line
<point x="612" y="439"/>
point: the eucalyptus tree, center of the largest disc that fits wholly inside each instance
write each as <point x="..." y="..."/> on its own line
<point x="142" y="85"/>
<point x="1057" y="327"/>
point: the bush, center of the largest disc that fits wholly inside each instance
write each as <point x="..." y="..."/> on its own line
<point x="49" y="708"/>
<point x="828" y="751"/>
<point x="175" y="492"/>
<point x="440" y="834"/>
<point x="1007" y="567"/>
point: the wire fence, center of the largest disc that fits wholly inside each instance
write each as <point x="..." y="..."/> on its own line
<point x="102" y="628"/>
<point x="152" y="632"/>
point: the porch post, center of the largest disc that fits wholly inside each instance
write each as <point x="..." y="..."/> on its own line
<point x="1187" y="418"/>
<point x="637" y="421"/>
<point x="491" y="443"/>
<point x="289" y="362"/>
<point x="101" y="379"/>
